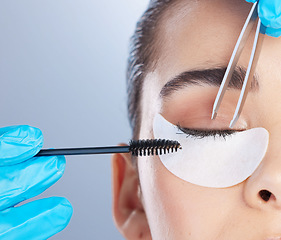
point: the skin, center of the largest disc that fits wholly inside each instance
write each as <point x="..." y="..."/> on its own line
<point x="150" y="202"/>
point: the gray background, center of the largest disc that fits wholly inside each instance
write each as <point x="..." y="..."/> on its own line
<point x="62" y="69"/>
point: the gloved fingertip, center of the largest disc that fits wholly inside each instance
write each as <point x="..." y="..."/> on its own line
<point x="62" y="212"/>
<point x="21" y="133"/>
<point x="19" y="143"/>
<point x="273" y="32"/>
<point x="270" y="15"/>
<point x="67" y="209"/>
<point x="61" y="206"/>
<point x="251" y="1"/>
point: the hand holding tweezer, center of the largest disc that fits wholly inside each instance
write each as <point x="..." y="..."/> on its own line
<point x="241" y="42"/>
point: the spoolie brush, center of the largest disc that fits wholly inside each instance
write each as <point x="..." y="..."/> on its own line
<point x="137" y="148"/>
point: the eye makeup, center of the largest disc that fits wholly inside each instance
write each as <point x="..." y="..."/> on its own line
<point x="212" y="158"/>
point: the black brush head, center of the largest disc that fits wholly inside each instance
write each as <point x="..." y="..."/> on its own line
<point x="153" y="146"/>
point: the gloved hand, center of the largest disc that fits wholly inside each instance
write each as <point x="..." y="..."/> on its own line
<point x="23" y="176"/>
<point x="270" y="14"/>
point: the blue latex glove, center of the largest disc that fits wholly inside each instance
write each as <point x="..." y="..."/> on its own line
<point x="270" y="14"/>
<point x="23" y="176"/>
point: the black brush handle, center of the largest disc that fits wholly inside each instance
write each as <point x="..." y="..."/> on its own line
<point x="82" y="151"/>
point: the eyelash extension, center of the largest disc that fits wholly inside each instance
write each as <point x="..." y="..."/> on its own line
<point x="196" y="133"/>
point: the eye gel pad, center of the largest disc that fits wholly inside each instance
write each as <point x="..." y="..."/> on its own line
<point x="213" y="161"/>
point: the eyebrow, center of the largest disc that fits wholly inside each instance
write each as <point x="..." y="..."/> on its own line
<point x="211" y="77"/>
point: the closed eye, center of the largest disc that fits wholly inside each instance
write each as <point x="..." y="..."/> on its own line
<point x="202" y="133"/>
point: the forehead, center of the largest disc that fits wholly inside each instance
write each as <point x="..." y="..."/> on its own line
<point x="200" y="34"/>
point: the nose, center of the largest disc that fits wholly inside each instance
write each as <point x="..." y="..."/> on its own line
<point x="262" y="190"/>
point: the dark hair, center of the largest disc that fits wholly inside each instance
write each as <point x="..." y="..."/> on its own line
<point x="143" y="57"/>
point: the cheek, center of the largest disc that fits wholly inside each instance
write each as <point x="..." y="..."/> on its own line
<point x="177" y="209"/>
<point x="165" y="199"/>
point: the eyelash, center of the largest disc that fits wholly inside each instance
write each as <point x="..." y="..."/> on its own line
<point x="196" y="133"/>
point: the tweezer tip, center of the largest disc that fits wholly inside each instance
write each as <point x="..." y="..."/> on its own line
<point x="233" y="121"/>
<point x="214" y="115"/>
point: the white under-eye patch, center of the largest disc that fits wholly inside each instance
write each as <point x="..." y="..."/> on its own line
<point x="210" y="161"/>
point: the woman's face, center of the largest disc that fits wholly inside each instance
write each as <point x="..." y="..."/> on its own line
<point x="200" y="36"/>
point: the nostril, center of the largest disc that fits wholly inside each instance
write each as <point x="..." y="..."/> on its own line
<point x="265" y="195"/>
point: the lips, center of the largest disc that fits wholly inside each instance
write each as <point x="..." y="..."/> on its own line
<point x="274" y="238"/>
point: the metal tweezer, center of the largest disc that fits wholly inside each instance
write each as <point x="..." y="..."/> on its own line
<point x="251" y="20"/>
